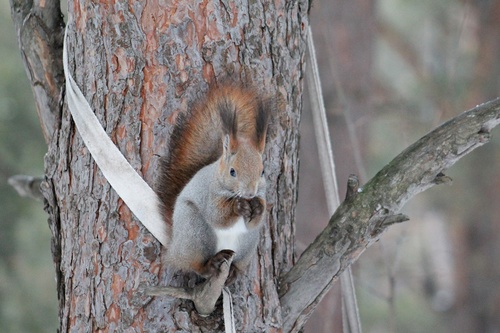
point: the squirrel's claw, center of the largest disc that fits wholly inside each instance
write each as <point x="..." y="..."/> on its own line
<point x="242" y="207"/>
<point x="249" y="208"/>
<point x="212" y="266"/>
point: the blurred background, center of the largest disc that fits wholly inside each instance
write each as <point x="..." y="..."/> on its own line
<point x="391" y="70"/>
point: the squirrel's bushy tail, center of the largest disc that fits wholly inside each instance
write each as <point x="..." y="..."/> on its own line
<point x="196" y="140"/>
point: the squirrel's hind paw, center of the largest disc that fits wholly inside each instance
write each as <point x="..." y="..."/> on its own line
<point x="212" y="266"/>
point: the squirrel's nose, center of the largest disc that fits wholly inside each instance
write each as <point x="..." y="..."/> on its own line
<point x="250" y="192"/>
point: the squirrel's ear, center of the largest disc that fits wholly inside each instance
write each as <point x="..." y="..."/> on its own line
<point x="225" y="144"/>
<point x="261" y="123"/>
<point x="229" y="145"/>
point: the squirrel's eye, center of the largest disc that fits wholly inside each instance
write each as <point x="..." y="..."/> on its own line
<point x="262" y="174"/>
<point x="232" y="172"/>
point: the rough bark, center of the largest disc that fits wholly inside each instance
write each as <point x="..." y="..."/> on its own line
<point x="137" y="63"/>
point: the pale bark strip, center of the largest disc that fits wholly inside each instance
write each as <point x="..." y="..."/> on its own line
<point x="360" y="220"/>
<point x="128" y="184"/>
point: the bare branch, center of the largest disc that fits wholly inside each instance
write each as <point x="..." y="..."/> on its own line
<point x="27" y="186"/>
<point x="360" y="220"/>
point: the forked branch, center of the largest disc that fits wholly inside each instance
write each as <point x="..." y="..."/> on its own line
<point x="360" y="220"/>
<point x="204" y="295"/>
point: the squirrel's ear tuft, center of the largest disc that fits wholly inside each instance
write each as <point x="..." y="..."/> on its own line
<point x="227" y="111"/>
<point x="261" y="123"/>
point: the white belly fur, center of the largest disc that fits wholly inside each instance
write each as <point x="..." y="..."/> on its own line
<point x="228" y="239"/>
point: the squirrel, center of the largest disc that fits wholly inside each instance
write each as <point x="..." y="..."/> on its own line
<point x="212" y="184"/>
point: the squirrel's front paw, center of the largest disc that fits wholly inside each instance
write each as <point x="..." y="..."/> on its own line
<point x="243" y="207"/>
<point x="249" y="208"/>
<point x="257" y="207"/>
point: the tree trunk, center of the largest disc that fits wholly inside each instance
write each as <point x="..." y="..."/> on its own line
<point x="136" y="64"/>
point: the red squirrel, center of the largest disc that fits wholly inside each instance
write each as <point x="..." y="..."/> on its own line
<point x="212" y="184"/>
